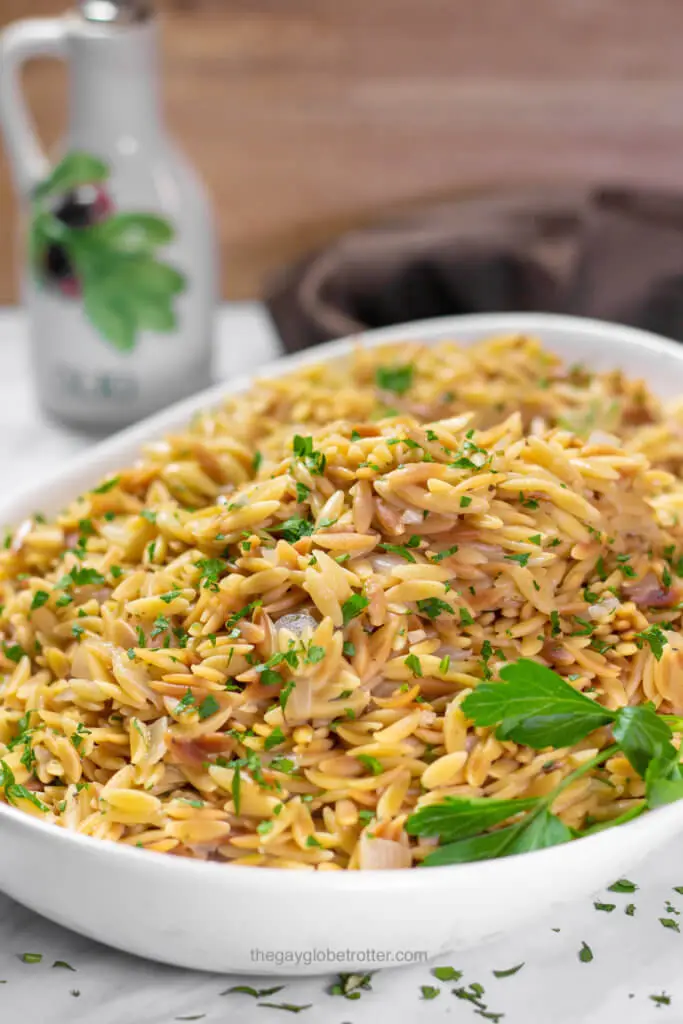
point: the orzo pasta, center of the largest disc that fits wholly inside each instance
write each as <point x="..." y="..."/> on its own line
<point x="253" y="644"/>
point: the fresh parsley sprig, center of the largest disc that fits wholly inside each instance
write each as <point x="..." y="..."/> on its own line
<point x="533" y="706"/>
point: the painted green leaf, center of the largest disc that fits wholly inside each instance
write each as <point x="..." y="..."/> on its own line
<point x="111" y="314"/>
<point x="75" y="169"/>
<point x="134" y="232"/>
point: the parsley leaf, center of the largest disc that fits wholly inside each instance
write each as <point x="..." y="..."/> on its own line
<point x="432" y="607"/>
<point x="413" y="663"/>
<point x="353" y="607"/>
<point x="209" y="706"/>
<point x="294" y="529"/>
<point x="314" y="461"/>
<point x="210" y="569"/>
<point x="398" y="379"/>
<point x="534" y="706"/>
<point x="108" y="485"/>
<point x="402" y="549"/>
<point x="371" y="763"/>
<point x="655" y="637"/>
<point x="521" y="558"/>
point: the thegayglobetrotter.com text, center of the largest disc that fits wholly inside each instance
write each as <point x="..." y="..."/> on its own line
<point x="368" y="957"/>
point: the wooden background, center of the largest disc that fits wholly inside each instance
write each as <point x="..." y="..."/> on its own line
<point x="309" y="116"/>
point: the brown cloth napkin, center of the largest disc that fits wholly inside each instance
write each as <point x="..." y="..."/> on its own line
<point x="610" y="253"/>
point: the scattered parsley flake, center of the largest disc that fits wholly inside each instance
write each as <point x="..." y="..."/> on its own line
<point x="432" y="607"/>
<point x="509" y="972"/>
<point x="353" y="607"/>
<point x="446" y="973"/>
<point x="398" y="379"/>
<point x="585" y="953"/>
<point x="208" y="706"/>
<point x="413" y="663"/>
<point x="520" y="558"/>
<point x="623" y="885"/>
<point x="108" y="485"/>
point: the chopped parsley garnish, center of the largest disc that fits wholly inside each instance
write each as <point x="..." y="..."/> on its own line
<point x="655" y="638"/>
<point x="402" y="549"/>
<point x="413" y="663"/>
<point x="445" y="664"/>
<point x="209" y="706"/>
<point x="210" y="569"/>
<point x="466" y="617"/>
<point x="108" y="485"/>
<point x="15" y="652"/>
<point x="607" y="907"/>
<point x="14" y="792"/>
<point x="314" y="654"/>
<point x="509" y="972"/>
<point x="170" y="596"/>
<point x="294" y="529"/>
<point x="31" y="958"/>
<point x="40" y="598"/>
<point x="79" y="735"/>
<point x="429" y="991"/>
<point x="243" y="613"/>
<point x="555" y="628"/>
<point x="185" y="703"/>
<point x="349" y="649"/>
<point x="465" y="501"/>
<point x="668" y="922"/>
<point x="160" y="624"/>
<point x="440" y="555"/>
<point x="274" y="739"/>
<point x="350" y="985"/>
<point x="81" y="578"/>
<point x="536" y="539"/>
<point x="285" y="692"/>
<point x="446" y="973"/>
<point x="432" y="607"/>
<point x="520" y="558"/>
<point x="257" y="993"/>
<point x="353" y="607"/>
<point x="314" y="461"/>
<point x="623" y="885"/>
<point x="64" y="964"/>
<point x="398" y="379"/>
<point x="585" y="953"/>
<point x="302" y="492"/>
<point x="256" y="461"/>
<point x="371" y="763"/>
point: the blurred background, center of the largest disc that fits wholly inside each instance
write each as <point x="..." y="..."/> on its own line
<point x="308" y="117"/>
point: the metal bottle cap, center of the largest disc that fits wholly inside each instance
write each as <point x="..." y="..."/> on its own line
<point x="115" y="12"/>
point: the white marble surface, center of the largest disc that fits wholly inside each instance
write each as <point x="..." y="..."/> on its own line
<point x="634" y="957"/>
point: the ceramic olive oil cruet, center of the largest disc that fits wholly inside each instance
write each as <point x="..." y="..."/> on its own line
<point x="119" y="261"/>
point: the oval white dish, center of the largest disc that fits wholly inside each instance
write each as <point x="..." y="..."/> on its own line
<point x="213" y="917"/>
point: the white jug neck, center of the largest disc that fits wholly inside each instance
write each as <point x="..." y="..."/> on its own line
<point x="114" y="86"/>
